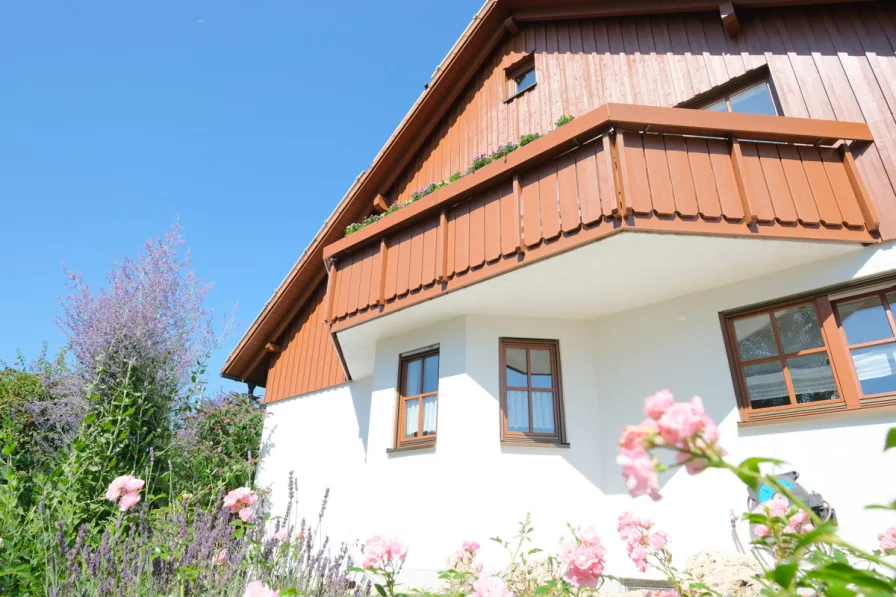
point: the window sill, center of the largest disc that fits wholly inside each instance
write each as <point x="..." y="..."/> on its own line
<point x="888" y="407"/>
<point x="519" y="93"/>
<point x="519" y="443"/>
<point x="431" y="446"/>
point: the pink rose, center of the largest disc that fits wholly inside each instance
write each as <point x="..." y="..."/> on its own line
<point x="761" y="530"/>
<point x="658" y="540"/>
<point x="665" y="593"/>
<point x="256" y="588"/>
<point x="585" y="563"/>
<point x="682" y="421"/>
<point x="588" y="536"/>
<point x="125" y="490"/>
<point x="280" y="535"/>
<point x="240" y="498"/>
<point x="807" y="528"/>
<point x="379" y="550"/>
<point x="471" y="546"/>
<point x="639" y="472"/>
<point x="888" y="540"/>
<point x="656" y="406"/>
<point x="490" y="586"/>
<point x="639" y="557"/>
<point x="245" y="514"/>
<point x="633" y="435"/>
<point x="777" y="507"/>
<point x="799" y="518"/>
<point x="220" y="557"/>
<point x="128" y="501"/>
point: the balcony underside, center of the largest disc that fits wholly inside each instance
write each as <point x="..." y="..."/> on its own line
<point x="618" y="169"/>
<point x="623" y="272"/>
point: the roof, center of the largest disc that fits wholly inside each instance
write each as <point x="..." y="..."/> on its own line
<point x="247" y="361"/>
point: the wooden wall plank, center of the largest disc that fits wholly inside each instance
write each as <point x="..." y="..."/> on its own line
<point x="661" y="194"/>
<point x="462" y="238"/>
<point x="685" y="196"/>
<point x="798" y="185"/>
<point x="429" y="269"/>
<point x="477" y="231"/>
<point x="701" y="172"/>
<point x="415" y="266"/>
<point x="588" y="183"/>
<point x="606" y="175"/>
<point x="492" y="231"/>
<point x="548" y="202"/>
<point x="531" y="209"/>
<point x="723" y="174"/>
<point x="828" y="211"/>
<point x="510" y="220"/>
<point x="776" y="182"/>
<point x="636" y="174"/>
<point x="567" y="191"/>
<point x="847" y="202"/>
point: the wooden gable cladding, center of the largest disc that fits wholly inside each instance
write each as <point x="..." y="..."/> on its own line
<point x="696" y="174"/>
<point x="307" y="360"/>
<point x="825" y="62"/>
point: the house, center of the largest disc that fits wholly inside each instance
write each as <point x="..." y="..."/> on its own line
<point x="717" y="219"/>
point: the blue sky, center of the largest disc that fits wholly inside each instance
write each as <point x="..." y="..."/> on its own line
<point x="248" y="121"/>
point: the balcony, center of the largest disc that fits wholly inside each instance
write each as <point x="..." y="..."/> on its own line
<point x="618" y="169"/>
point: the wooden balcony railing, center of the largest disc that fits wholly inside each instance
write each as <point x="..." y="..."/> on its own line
<point x="620" y="167"/>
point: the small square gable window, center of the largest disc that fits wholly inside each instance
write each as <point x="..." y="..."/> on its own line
<point x="520" y="71"/>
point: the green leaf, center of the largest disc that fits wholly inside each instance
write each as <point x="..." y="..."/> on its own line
<point x="890" y="506"/>
<point x="749" y="473"/>
<point x="542" y="590"/>
<point x="844" y="573"/>
<point x="290" y="592"/>
<point x="783" y="574"/>
<point x="839" y="591"/>
<point x="355" y="569"/>
<point x="891" y="439"/>
<point x="381" y="590"/>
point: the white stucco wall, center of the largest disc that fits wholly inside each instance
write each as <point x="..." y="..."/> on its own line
<point x="470" y="487"/>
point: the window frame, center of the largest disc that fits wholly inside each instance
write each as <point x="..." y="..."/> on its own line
<point x="422" y="440"/>
<point x="733" y="87"/>
<point x="825" y="301"/>
<point x="520" y="66"/>
<point x="518" y="437"/>
<point x="885" y="303"/>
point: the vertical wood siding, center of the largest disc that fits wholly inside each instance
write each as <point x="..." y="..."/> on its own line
<point x="307" y="361"/>
<point x="827" y="62"/>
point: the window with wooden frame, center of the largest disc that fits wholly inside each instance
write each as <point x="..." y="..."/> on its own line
<point x="418" y="399"/>
<point x="531" y="395"/>
<point x="753" y="94"/>
<point x="829" y="352"/>
<point x="521" y="75"/>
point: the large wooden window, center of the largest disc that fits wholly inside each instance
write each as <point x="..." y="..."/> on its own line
<point x="870" y="332"/>
<point x="822" y="353"/>
<point x="531" y="397"/>
<point x="418" y="399"/>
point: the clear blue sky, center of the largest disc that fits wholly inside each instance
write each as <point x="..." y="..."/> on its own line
<point x="248" y="120"/>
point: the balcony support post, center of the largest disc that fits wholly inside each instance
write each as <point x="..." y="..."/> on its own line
<point x="737" y="161"/>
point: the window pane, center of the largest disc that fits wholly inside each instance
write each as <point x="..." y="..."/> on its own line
<point x="755" y="338"/>
<point x="864" y="320"/>
<point x="525" y="80"/>
<point x="765" y="385"/>
<point x="517" y="373"/>
<point x="876" y="368"/>
<point x="798" y="328"/>
<point x="541" y="368"/>
<point x="431" y="374"/>
<point x="542" y="411"/>
<point x="755" y="100"/>
<point x="429" y="415"/>
<point x="411" y="417"/>
<point x="517" y="411"/>
<point x="721" y="106"/>
<point x="412" y="378"/>
<point x="812" y="378"/>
